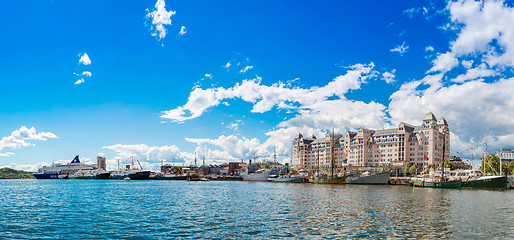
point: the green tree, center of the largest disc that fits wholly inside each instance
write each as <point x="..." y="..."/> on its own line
<point x="511" y="168"/>
<point x="492" y="164"/>
<point x="406" y="168"/>
<point x="8" y="173"/>
<point x="258" y="165"/>
<point x="450" y="165"/>
<point x="266" y="166"/>
<point x="412" y="170"/>
<point x="178" y="169"/>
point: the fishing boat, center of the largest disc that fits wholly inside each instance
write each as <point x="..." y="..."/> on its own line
<point x="368" y="178"/>
<point x="328" y="180"/>
<point x="476" y="179"/>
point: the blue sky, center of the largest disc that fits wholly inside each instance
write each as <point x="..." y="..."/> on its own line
<point x="160" y="95"/>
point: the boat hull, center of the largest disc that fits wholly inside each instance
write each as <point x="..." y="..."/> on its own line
<point x="438" y="184"/>
<point x="293" y="179"/>
<point x="336" y="180"/>
<point x="375" y="179"/>
<point x="45" y="176"/>
<point x="256" y="177"/>
<point x="142" y="175"/>
<point x="499" y="182"/>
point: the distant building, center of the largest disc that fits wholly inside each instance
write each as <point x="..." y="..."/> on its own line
<point x="234" y="167"/>
<point x="420" y="145"/>
<point x="100" y="163"/>
<point x="506" y="155"/>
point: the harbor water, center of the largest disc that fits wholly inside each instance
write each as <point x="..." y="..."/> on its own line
<point x="111" y="209"/>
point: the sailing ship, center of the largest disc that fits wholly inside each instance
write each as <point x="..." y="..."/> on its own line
<point x="478" y="181"/>
<point x="437" y="179"/>
<point x="325" y="178"/>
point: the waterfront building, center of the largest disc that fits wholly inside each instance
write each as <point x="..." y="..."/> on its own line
<point x="100" y="163"/>
<point x="421" y="145"/>
<point x="506" y="155"/>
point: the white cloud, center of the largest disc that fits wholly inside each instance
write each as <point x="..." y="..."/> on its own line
<point x="208" y="75"/>
<point x="86" y="73"/>
<point x="79" y="81"/>
<point x="182" y="30"/>
<point x="26" y="167"/>
<point x="149" y="154"/>
<point x="389" y="76"/>
<point x="475" y="73"/>
<point x="84" y="59"/>
<point x="227" y="65"/>
<point x="246" y="69"/>
<point x="235" y="125"/>
<point x="264" y="98"/>
<point x="429" y="49"/>
<point x="160" y="17"/>
<point x="400" y="49"/>
<point x="22" y="137"/>
<point x="444" y="63"/>
<point x="7" y="154"/>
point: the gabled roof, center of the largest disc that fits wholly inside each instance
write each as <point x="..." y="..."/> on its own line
<point x="442" y="121"/>
<point x="429" y="116"/>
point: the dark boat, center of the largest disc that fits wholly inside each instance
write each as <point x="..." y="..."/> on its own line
<point x="139" y="175"/>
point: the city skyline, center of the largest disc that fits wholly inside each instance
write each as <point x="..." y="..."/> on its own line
<point x="167" y="80"/>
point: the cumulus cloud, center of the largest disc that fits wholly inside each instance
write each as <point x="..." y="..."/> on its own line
<point x="400" y="49"/>
<point x="227" y="65"/>
<point x="208" y="75"/>
<point x="389" y="76"/>
<point x="444" y="63"/>
<point x="26" y="167"/>
<point x="22" y="138"/>
<point x="246" y="69"/>
<point x="86" y="73"/>
<point x="160" y="17"/>
<point x="84" y="59"/>
<point x="264" y="98"/>
<point x="429" y="49"/>
<point x="79" y="81"/>
<point x="182" y="30"/>
<point x="149" y="156"/>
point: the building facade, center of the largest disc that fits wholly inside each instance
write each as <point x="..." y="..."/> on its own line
<point x="420" y="145"/>
<point x="506" y="155"/>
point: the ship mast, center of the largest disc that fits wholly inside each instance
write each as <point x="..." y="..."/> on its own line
<point x="485" y="155"/>
<point x="332" y="154"/>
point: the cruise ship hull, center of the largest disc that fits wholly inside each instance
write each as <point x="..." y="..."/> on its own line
<point x="45" y="176"/>
<point x="374" y="179"/>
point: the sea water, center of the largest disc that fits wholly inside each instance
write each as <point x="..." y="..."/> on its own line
<point x="117" y="209"/>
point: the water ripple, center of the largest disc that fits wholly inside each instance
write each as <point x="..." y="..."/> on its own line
<point x="104" y="209"/>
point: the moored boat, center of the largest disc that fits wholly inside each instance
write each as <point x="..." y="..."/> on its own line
<point x="61" y="171"/>
<point x="260" y="175"/>
<point x="328" y="180"/>
<point x="369" y="178"/>
<point x="431" y="182"/>
<point x="288" y="178"/>
<point x="499" y="182"/>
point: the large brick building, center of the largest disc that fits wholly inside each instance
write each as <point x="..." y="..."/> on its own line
<point x="421" y="145"/>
